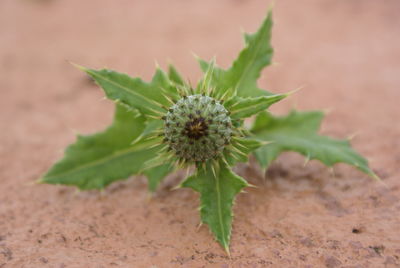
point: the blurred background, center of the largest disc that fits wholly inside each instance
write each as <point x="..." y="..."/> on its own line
<point x="332" y="48"/>
<point x="345" y="54"/>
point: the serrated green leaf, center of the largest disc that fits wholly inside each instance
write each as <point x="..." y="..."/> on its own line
<point x="246" y="107"/>
<point x="305" y="122"/>
<point x="134" y="92"/>
<point x="95" y="161"/>
<point x="308" y="121"/>
<point x="218" y="187"/>
<point x="174" y="75"/>
<point x="246" y="69"/>
<point x="298" y="132"/>
<point x="163" y="86"/>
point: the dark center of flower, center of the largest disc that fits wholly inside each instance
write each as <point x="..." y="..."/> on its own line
<point x="196" y="128"/>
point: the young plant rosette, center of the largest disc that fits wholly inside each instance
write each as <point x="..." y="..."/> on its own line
<point x="166" y="124"/>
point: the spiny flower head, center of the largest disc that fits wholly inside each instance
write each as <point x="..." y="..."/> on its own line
<point x="197" y="128"/>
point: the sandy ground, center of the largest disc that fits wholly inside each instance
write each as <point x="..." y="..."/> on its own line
<point x="345" y="53"/>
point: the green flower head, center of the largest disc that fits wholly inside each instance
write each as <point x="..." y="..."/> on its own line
<point x="203" y="124"/>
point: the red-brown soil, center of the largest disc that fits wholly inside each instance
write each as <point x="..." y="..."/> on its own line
<point x="345" y="53"/>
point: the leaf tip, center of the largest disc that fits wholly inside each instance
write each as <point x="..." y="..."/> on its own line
<point x="332" y="171"/>
<point x="196" y="57"/>
<point x="243" y="32"/>
<point x="251" y="185"/>
<point x="41" y="180"/>
<point x="199" y="226"/>
<point x="178" y="186"/>
<point x="150" y="195"/>
<point x="352" y="136"/>
<point x="327" y="111"/>
<point x="157" y="65"/>
<point x="80" y="67"/>
<point x="306" y="161"/>
<point x="294" y="91"/>
<point x="376" y="177"/>
<point x="275" y="63"/>
<point x="271" y="7"/>
<point x="226" y="248"/>
<point x="263" y="143"/>
<point x="170" y="63"/>
<point x="78" y="190"/>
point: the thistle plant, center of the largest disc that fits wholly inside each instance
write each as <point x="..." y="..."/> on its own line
<point x="166" y="124"/>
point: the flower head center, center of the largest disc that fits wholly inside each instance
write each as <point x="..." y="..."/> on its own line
<point x="196" y="128"/>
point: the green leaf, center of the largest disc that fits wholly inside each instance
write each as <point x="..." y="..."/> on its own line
<point x="156" y="174"/>
<point x="298" y="132"/>
<point x="305" y="122"/>
<point x="218" y="187"/>
<point x="164" y="86"/>
<point x="174" y="75"/>
<point x="246" y="107"/>
<point x="95" y="161"/>
<point x="133" y="92"/>
<point x="308" y="121"/>
<point x="206" y="83"/>
<point x="246" y="69"/>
